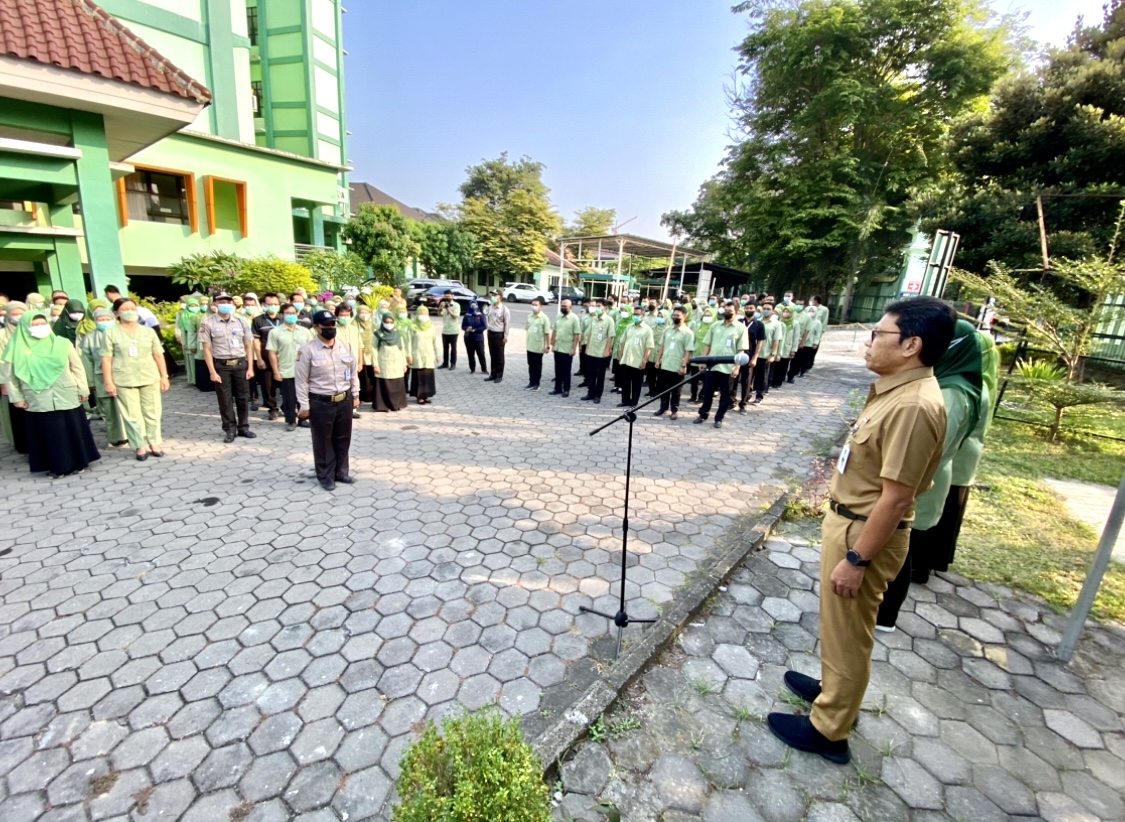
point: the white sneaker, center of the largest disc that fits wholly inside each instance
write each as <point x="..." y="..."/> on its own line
<point x="883" y="629"/>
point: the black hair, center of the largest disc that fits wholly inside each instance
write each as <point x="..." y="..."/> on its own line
<point x="447" y="291"/>
<point x="120" y="301"/>
<point x="287" y="305"/>
<point x="271" y="294"/>
<point x="816" y="297"/>
<point x="927" y="318"/>
<point x="344" y="307"/>
<point x="293" y="296"/>
<point x="605" y="302"/>
<point x="111" y="288"/>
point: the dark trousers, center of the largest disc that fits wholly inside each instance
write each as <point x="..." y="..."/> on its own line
<point x="496" y="353"/>
<point x="712" y="381"/>
<point x="331" y="424"/>
<point x="289" y="399"/>
<point x="743" y="383"/>
<point x="664" y="381"/>
<point x="269" y="386"/>
<point x="806" y="359"/>
<point x="812" y="356"/>
<point x="534" y="368"/>
<point x="761" y="378"/>
<point x="780" y="369"/>
<point x="234" y="396"/>
<point x="449" y="350"/>
<point x="631" y="381"/>
<point x="581" y="361"/>
<point x="595" y="375"/>
<point x="475" y="350"/>
<point x="795" y="364"/>
<point x="650" y="378"/>
<point x="898" y="589"/>
<point x="697" y="383"/>
<point x="563" y="363"/>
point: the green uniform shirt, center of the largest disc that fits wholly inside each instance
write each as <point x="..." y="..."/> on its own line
<point x="567" y="328"/>
<point x="132" y="355"/>
<point x="658" y="331"/>
<point x="677" y="342"/>
<point x="427" y="346"/>
<point x="775" y="333"/>
<point x="451" y="319"/>
<point x="391" y="360"/>
<point x="636" y="343"/>
<point x="929" y="505"/>
<point x="284" y="341"/>
<point x="624" y="321"/>
<point x="61" y="395"/>
<point x="538" y="333"/>
<point x="599" y="337"/>
<point x="724" y="340"/>
<point x="351" y="333"/>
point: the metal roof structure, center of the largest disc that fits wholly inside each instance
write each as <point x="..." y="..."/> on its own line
<point x="630" y="245"/>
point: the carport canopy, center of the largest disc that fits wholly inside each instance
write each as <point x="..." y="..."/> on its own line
<point x="621" y="247"/>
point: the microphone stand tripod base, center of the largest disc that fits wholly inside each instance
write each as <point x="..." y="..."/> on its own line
<point x="621" y="619"/>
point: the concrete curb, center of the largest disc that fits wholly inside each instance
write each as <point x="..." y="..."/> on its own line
<point x="564" y="732"/>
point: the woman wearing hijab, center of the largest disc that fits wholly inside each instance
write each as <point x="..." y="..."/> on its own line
<point x="704" y="321"/>
<point x="13" y="420"/>
<point x="67" y="324"/>
<point x="49" y="383"/>
<point x="390" y="367"/>
<point x="134" y="367"/>
<point x="36" y="302"/>
<point x="348" y="331"/>
<point x="426" y="350"/>
<point x="90" y="347"/>
<point x="474" y="324"/>
<point x="86" y="326"/>
<point x="366" y="336"/>
<point x="187" y="334"/>
<point x="959" y="373"/>
<point x="785" y="350"/>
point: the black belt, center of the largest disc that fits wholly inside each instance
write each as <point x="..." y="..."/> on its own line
<point x="843" y="511"/>
<point x="240" y="361"/>
<point x="343" y="395"/>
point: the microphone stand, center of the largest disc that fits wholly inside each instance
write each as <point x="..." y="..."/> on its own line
<point x="622" y="619"/>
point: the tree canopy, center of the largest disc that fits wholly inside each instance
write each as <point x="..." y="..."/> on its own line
<point x="383" y="239"/>
<point x="842" y="110"/>
<point x="507" y="208"/>
<point x="591" y="221"/>
<point x="446" y="249"/>
<point x="1056" y="131"/>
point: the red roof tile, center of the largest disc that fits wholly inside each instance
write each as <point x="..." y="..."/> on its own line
<point x="79" y="35"/>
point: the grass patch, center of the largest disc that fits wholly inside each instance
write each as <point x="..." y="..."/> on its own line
<point x="1019" y="533"/>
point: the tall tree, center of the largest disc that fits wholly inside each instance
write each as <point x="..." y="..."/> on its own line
<point x="591" y="221"/>
<point x="1054" y="132"/>
<point x="507" y="208"/>
<point x="447" y="250"/>
<point x="383" y="239"/>
<point x="842" y="112"/>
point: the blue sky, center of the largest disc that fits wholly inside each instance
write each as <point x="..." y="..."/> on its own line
<point x="623" y="101"/>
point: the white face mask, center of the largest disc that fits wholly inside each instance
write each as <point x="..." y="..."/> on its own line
<point x="389" y="326"/>
<point x="76" y="315"/>
<point x="40" y="332"/>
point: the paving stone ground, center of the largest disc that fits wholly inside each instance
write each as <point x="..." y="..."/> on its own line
<point x="211" y="636"/>
<point x="1090" y="503"/>
<point x="968" y="715"/>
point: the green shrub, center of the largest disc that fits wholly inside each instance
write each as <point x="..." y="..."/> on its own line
<point x="479" y="769"/>
<point x="264" y="275"/>
<point x="375" y="294"/>
<point x="209" y="273"/>
<point x="1033" y="369"/>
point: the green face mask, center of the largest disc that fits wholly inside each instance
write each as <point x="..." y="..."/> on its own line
<point x="272" y="309"/>
<point x="343" y="320"/>
<point x="194" y="309"/>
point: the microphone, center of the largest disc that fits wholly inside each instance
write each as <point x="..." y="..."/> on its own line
<point x="741" y="358"/>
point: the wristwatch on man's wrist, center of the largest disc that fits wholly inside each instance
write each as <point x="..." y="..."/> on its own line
<point x="855" y="559"/>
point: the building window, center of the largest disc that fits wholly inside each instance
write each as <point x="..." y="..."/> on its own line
<point x="252" y="24"/>
<point x="158" y="196"/>
<point x="226" y="205"/>
<point x="256" y="100"/>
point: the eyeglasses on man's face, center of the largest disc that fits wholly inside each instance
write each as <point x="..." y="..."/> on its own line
<point x="875" y="332"/>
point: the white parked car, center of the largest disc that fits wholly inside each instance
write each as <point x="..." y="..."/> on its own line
<point x="525" y="293"/>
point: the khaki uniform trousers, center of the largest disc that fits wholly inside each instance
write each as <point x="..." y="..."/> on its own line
<point x="847" y="625"/>
<point x="140" y="408"/>
<point x="114" y="426"/>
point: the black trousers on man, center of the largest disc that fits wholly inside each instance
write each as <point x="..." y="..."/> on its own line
<point x="743" y="382"/>
<point x="595" y="375"/>
<point x="712" y="381"/>
<point x="780" y="369"/>
<point x="331" y="424"/>
<point x="234" y="394"/>
<point x="631" y="381"/>
<point x="496" y="354"/>
<point x="650" y="378"/>
<point x="534" y="368"/>
<point x="664" y="381"/>
<point x="581" y="372"/>
<point x="475" y="349"/>
<point x="761" y="378"/>
<point x="289" y="399"/>
<point x="448" y="350"/>
<point x="563" y="362"/>
<point x="269" y="386"/>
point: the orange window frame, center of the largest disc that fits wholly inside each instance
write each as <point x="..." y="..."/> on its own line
<point x="240" y="194"/>
<point x="189" y="192"/>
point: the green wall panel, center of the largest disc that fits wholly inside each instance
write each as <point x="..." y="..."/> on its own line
<point x="287" y="83"/>
<point x="284" y="13"/>
<point x="296" y="145"/>
<point x="226" y="206"/>
<point x="286" y="45"/>
<point x="290" y="119"/>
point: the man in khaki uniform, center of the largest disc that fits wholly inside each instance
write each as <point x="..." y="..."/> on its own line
<point x="228" y="350"/>
<point x="890" y="458"/>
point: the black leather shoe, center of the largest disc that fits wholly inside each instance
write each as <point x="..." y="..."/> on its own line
<point x="229" y="437"/>
<point x="554" y="393"/>
<point x="718" y="423"/>
<point x="699" y="420"/>
<point x="498" y="380"/>
<point x="798" y="732"/>
<point x="346" y="480"/>
<point x="659" y="413"/>
<point x="565" y="394"/>
<point x="587" y="398"/>
<point x="624" y="404"/>
<point x="304" y="424"/>
<point x="802" y="685"/>
<point x="583" y="385"/>
<point x="442" y="367"/>
<point x="328" y="486"/>
<point x="247" y="433"/>
<point x="491" y="379"/>
<point x="598" y="400"/>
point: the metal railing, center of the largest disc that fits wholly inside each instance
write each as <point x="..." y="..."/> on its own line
<point x="302" y="250"/>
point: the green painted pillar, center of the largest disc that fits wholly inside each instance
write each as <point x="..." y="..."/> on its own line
<point x="220" y="64"/>
<point x="316" y="221"/>
<point x="99" y="203"/>
<point x="65" y="265"/>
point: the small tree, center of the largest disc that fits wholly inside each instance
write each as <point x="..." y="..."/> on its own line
<point x="446" y="249"/>
<point x="383" y="239"/>
<point x="336" y="271"/>
<point x="264" y="275"/>
<point x="212" y="273"/>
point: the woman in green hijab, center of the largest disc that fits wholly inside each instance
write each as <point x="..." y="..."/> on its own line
<point x="187" y="334"/>
<point x="12" y="419"/>
<point x="49" y="383"/>
<point x="389" y="366"/>
<point x="959" y="372"/>
<point x="785" y="350"/>
<point x="67" y="324"/>
<point x="91" y="346"/>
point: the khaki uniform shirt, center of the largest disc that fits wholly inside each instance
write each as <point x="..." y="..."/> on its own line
<point x="677" y="342"/>
<point x="227" y="337"/>
<point x="451" y="319"/>
<point x="284" y="341"/>
<point x="636" y="345"/>
<point x="326" y="370"/>
<point x="132" y="355"/>
<point x="599" y="337"/>
<point x="426" y="347"/>
<point x="61" y="395"/>
<point x="538" y="333"/>
<point x="725" y="340"/>
<point x="898" y="436"/>
<point x="567" y="328"/>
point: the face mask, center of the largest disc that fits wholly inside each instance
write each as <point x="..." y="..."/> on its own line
<point x="328" y="333"/>
<point x="104" y="325"/>
<point x="494" y="300"/>
<point x="799" y="308"/>
<point x="712" y="302"/>
<point x="128" y="316"/>
<point x="767" y="314"/>
<point x="253" y="310"/>
<point x="226" y="309"/>
<point x="785" y="300"/>
<point x="757" y="316"/>
<point x="291" y="319"/>
<point x="729" y="315"/>
<point x="744" y="302"/>
<point x="365" y="318"/>
<point x="343" y="320"/>
<point x="299" y="306"/>
<point x="402" y="316"/>
<point x="272" y="309"/>
<point x="598" y="311"/>
<point x="534" y="309"/>
<point x="424" y="318"/>
<point x="389" y="326"/>
<point x="351" y="303"/>
<point x="76" y="315"/>
<point x="194" y="309"/>
<point x="637" y="319"/>
<point x="40" y="332"/>
<point x="660" y="321"/>
<point x="565" y="310"/>
<point x="708" y="319"/>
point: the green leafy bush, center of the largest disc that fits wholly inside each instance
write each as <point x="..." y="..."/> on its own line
<point x="479" y="769"/>
<point x="166" y="313"/>
<point x="372" y="295"/>
<point x="264" y="275"/>
<point x="1033" y="369"/>
<point x="336" y="271"/>
<point x="210" y="273"/>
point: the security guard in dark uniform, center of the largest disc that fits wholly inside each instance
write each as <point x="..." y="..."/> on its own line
<point x="327" y="382"/>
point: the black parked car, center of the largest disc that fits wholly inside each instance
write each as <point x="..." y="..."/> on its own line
<point x="569" y="292"/>
<point x="432" y="298"/>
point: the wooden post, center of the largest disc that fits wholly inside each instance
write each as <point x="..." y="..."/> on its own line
<point x="1042" y="232"/>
